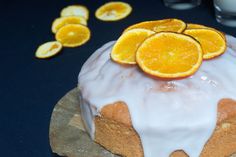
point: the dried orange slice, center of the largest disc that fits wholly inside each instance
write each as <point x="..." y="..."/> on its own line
<point x="172" y="25"/>
<point x="73" y="35"/>
<point x="62" y="21"/>
<point x="213" y="44"/>
<point x="124" y="50"/>
<point x="48" y="49"/>
<point x="113" y="11"/>
<point x="197" y="26"/>
<point x="75" y="10"/>
<point x="169" y="55"/>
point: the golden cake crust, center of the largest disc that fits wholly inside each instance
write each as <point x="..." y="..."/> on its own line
<point x="114" y="131"/>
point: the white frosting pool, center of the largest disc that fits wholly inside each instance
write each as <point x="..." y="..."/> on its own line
<point x="167" y="115"/>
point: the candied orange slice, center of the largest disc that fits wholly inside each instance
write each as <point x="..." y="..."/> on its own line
<point x="73" y="35"/>
<point x="75" y="10"/>
<point x="62" y="21"/>
<point x="48" y="49"/>
<point x="113" y="11"/>
<point x="172" y="25"/>
<point x="213" y="44"/>
<point x="197" y="26"/>
<point x="169" y="55"/>
<point x="126" y="46"/>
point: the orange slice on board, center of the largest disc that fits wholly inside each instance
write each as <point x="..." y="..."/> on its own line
<point x="212" y="42"/>
<point x="124" y="50"/>
<point x="169" y="55"/>
<point x="62" y="21"/>
<point x="73" y="35"/>
<point x="113" y="11"/>
<point x="197" y="26"/>
<point x="75" y="10"/>
<point x="172" y="25"/>
<point x="48" y="49"/>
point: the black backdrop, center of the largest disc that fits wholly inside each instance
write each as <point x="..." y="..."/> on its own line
<point x="29" y="88"/>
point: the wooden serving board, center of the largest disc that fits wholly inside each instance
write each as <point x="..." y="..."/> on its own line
<point x="67" y="134"/>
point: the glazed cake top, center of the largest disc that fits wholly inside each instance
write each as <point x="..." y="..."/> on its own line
<point x="167" y="115"/>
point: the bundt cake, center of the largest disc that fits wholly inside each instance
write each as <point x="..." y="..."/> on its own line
<point x="133" y="115"/>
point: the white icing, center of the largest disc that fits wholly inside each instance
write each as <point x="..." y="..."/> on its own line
<point x="167" y="115"/>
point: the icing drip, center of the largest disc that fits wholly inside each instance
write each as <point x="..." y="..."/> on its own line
<point x="167" y="115"/>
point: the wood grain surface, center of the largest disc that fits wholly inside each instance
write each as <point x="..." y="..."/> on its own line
<point x="67" y="135"/>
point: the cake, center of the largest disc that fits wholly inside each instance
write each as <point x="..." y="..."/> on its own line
<point x="133" y="115"/>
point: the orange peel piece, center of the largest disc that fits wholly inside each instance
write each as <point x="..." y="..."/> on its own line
<point x="62" y="21"/>
<point x="124" y="51"/>
<point x="181" y="57"/>
<point x="172" y="25"/>
<point x="48" y="49"/>
<point x="73" y="35"/>
<point x="113" y="11"/>
<point x="75" y="10"/>
<point x="212" y="42"/>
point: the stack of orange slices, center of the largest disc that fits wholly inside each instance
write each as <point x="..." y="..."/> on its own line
<point x="71" y="28"/>
<point x="168" y="48"/>
<point x="70" y="31"/>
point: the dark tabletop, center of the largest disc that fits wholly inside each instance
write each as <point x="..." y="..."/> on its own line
<point x="29" y="88"/>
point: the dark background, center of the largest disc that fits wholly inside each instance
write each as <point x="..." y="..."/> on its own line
<point x="29" y="88"/>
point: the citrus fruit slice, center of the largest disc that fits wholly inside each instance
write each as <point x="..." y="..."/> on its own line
<point x="62" y="21"/>
<point x="197" y="26"/>
<point x="124" y="50"/>
<point x="73" y="35"/>
<point x="172" y="25"/>
<point x="75" y="10"/>
<point x="48" y="49"/>
<point x="113" y="11"/>
<point x="213" y="44"/>
<point x="169" y="55"/>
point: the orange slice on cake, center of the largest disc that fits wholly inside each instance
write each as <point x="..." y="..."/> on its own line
<point x="73" y="35"/>
<point x="197" y="26"/>
<point x="75" y="10"/>
<point x="124" y="51"/>
<point x="172" y="25"/>
<point x="212" y="42"/>
<point x="62" y="21"/>
<point x="113" y="11"/>
<point x="48" y="49"/>
<point x="169" y="55"/>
